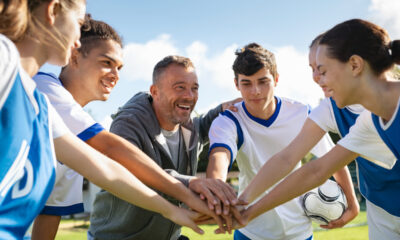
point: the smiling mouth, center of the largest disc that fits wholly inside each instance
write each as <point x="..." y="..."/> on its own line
<point x="108" y="85"/>
<point x="183" y="107"/>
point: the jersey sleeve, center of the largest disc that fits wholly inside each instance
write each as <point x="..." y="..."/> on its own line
<point x="58" y="127"/>
<point x="322" y="115"/>
<point x="223" y="133"/>
<point x="9" y="62"/>
<point x="78" y="121"/>
<point x="323" y="146"/>
<point x="364" y="139"/>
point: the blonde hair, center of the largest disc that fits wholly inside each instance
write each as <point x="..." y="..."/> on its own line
<point x="13" y="18"/>
<point x="37" y="30"/>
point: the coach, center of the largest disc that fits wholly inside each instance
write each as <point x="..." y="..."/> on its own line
<point x="159" y="124"/>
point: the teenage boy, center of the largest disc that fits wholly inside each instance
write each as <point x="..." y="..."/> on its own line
<point x="263" y="125"/>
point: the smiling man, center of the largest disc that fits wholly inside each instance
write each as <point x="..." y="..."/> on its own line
<point x="159" y="124"/>
<point x="91" y="74"/>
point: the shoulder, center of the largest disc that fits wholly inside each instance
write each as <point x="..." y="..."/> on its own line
<point x="9" y="66"/>
<point x="291" y="105"/>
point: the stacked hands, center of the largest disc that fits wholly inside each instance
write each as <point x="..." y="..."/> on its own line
<point x="222" y="205"/>
<point x="215" y="202"/>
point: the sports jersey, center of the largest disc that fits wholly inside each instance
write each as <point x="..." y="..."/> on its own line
<point x="28" y="124"/>
<point x="252" y="142"/>
<point x="378" y="179"/>
<point x="66" y="198"/>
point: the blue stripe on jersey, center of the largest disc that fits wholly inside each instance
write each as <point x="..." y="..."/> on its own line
<point x="238" y="127"/>
<point x="376" y="182"/>
<point x="270" y="120"/>
<point x="62" y="211"/>
<point x="390" y="136"/>
<point x="90" y="132"/>
<point x="52" y="75"/>
<point x="239" y="236"/>
<point x="215" y="145"/>
<point x="27" y="194"/>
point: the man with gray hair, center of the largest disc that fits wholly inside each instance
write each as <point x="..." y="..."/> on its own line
<point x="160" y="125"/>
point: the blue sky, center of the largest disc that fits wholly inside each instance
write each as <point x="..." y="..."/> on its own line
<point x="209" y="31"/>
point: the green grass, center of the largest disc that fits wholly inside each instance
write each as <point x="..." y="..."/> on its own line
<point x="355" y="230"/>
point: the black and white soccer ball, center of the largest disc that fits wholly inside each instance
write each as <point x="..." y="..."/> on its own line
<point x="325" y="203"/>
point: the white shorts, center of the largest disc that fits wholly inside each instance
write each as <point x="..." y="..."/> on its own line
<point x="381" y="224"/>
<point x="66" y="197"/>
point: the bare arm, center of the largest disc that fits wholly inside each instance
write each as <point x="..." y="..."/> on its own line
<point x="111" y="176"/>
<point x="283" y="162"/>
<point x="304" y="179"/>
<point x="145" y="169"/>
<point x="343" y="178"/>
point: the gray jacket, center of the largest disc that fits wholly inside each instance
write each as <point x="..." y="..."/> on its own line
<point x="113" y="218"/>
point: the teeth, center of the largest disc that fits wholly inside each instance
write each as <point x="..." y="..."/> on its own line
<point x="184" y="106"/>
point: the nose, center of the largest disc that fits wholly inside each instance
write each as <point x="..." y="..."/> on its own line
<point x="115" y="73"/>
<point x="256" y="90"/>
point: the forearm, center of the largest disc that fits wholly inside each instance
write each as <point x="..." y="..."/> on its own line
<point x="218" y="164"/>
<point x="343" y="178"/>
<point x="282" y="163"/>
<point x="304" y="179"/>
<point x="108" y="174"/>
<point x="143" y="167"/>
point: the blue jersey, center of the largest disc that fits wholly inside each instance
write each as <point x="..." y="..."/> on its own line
<point x="27" y="158"/>
<point x="376" y="183"/>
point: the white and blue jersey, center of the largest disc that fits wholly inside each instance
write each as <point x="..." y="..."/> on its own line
<point x="27" y="158"/>
<point x="377" y="179"/>
<point x="252" y="142"/>
<point x="66" y="197"/>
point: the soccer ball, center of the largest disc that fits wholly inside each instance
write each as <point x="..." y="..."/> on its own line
<point x="325" y="203"/>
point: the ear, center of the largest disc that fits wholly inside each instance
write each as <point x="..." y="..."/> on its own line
<point x="236" y="83"/>
<point x="357" y="64"/>
<point x="74" y="60"/>
<point x="53" y="9"/>
<point x="153" y="90"/>
<point x="276" y="80"/>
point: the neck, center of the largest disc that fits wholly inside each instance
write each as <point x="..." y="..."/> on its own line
<point x="380" y="96"/>
<point x="71" y="83"/>
<point x="266" y="112"/>
<point x="32" y="55"/>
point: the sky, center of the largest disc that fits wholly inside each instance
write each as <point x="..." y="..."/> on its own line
<point x="209" y="32"/>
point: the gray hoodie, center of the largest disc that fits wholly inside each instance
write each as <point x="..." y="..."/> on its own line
<point x="113" y="218"/>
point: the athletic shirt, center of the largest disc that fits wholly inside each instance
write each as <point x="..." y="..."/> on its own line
<point x="28" y="125"/>
<point x="252" y="142"/>
<point x="377" y="179"/>
<point x="173" y="139"/>
<point x="66" y="197"/>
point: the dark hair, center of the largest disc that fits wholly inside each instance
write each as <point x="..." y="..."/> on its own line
<point x="365" y="39"/>
<point x="316" y="40"/>
<point x="251" y="58"/>
<point x="169" y="60"/>
<point x="93" y="31"/>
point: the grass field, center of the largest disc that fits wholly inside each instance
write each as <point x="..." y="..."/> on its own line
<point x="355" y="230"/>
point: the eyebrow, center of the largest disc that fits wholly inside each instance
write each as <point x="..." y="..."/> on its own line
<point x="182" y="82"/>
<point x="248" y="80"/>
<point x="111" y="59"/>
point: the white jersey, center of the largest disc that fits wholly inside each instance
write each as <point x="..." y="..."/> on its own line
<point x="252" y="142"/>
<point x="323" y="115"/>
<point x="364" y="139"/>
<point x="66" y="197"/>
<point x="28" y="125"/>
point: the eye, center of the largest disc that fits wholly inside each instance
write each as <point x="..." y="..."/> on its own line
<point x="107" y="63"/>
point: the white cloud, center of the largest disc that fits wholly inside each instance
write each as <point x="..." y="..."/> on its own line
<point x="141" y="58"/>
<point x="215" y="70"/>
<point x="295" y="80"/>
<point x="385" y="13"/>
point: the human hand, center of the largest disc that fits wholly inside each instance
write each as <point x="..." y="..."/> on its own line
<point x="348" y="215"/>
<point x="215" y="191"/>
<point x="230" y="105"/>
<point x="185" y="217"/>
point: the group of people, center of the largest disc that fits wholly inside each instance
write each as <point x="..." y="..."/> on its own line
<point x="146" y="164"/>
